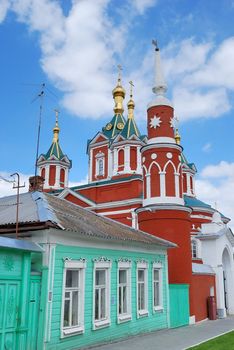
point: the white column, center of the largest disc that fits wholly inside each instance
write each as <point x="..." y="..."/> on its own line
<point x="139" y="167"/>
<point x="90" y="165"/>
<point x="127" y="159"/>
<point x="148" y="185"/>
<point x="47" y="174"/>
<point x="57" y="176"/>
<point x="115" y="161"/>
<point x="188" y="184"/>
<point x="110" y="162"/>
<point x="66" y="177"/>
<point x="177" y="185"/>
<point x="162" y="184"/>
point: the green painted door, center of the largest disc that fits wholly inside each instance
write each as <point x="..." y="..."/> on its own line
<point x="179" y="305"/>
<point x="9" y="313"/>
<point x="33" y="315"/>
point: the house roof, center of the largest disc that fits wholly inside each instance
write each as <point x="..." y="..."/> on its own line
<point x="41" y="207"/>
<point x="18" y="244"/>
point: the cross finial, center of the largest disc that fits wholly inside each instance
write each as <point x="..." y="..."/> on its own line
<point x="56" y="114"/>
<point x="131" y="86"/>
<point x="176" y="122"/>
<point x="155" y="43"/>
<point x="120" y="70"/>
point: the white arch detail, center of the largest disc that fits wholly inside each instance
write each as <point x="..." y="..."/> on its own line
<point x="166" y="165"/>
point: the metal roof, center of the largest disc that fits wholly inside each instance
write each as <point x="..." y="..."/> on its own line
<point x="19" y="244"/>
<point x="44" y="207"/>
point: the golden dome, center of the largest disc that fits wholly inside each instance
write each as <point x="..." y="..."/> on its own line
<point x="119" y="95"/>
<point x="177" y="137"/>
<point x="131" y="103"/>
<point x="56" y="129"/>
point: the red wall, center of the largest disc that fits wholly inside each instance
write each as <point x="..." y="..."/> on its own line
<point x="199" y="293"/>
<point x="52" y="175"/>
<point x="172" y="225"/>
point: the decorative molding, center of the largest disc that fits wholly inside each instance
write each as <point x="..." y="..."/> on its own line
<point x="124" y="260"/>
<point x="101" y="259"/>
<point x="82" y="260"/>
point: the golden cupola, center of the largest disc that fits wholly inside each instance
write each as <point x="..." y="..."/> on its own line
<point x="119" y="95"/>
<point x="177" y="137"/>
<point x="56" y="129"/>
<point x="131" y="103"/>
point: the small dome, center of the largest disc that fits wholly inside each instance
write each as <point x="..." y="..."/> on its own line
<point x="216" y="218"/>
<point x="131" y="104"/>
<point x="118" y="90"/>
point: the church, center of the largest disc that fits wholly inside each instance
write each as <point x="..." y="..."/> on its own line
<point x="146" y="182"/>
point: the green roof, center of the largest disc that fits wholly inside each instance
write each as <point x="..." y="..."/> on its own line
<point x="130" y="129"/>
<point x="194" y="202"/>
<point x="54" y="150"/>
<point x="112" y="128"/>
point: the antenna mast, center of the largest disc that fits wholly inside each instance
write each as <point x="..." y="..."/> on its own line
<point x="40" y="95"/>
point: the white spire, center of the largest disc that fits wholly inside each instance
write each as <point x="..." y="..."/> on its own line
<point x="160" y="87"/>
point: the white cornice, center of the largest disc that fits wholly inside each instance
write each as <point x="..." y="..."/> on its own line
<point x="161" y="145"/>
<point x="156" y="207"/>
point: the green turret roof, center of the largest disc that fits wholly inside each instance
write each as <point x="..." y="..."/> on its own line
<point x="130" y="129"/>
<point x="115" y="126"/>
<point x="54" y="150"/>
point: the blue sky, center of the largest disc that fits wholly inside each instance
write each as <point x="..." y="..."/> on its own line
<point x="74" y="47"/>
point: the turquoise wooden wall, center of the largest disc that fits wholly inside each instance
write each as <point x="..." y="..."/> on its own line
<point x="155" y="320"/>
<point x="179" y="305"/>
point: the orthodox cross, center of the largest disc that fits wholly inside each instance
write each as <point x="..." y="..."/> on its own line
<point x="120" y="69"/>
<point x="56" y="115"/>
<point x="155" y="43"/>
<point x="176" y="122"/>
<point x="131" y="86"/>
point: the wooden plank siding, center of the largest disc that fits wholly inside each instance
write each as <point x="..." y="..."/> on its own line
<point x="155" y="320"/>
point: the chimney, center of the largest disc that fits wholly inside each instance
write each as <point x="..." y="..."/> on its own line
<point x="36" y="183"/>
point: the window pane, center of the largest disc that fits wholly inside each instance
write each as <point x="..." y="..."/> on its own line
<point x="156" y="294"/>
<point x="124" y="300"/>
<point x="103" y="303"/>
<point x="66" y="313"/>
<point x="72" y="278"/>
<point x="142" y="301"/>
<point x="156" y="275"/>
<point x="141" y="275"/>
<point x="96" y="304"/>
<point x="75" y="308"/>
<point x="122" y="276"/>
<point x="120" y="301"/>
<point x="100" y="277"/>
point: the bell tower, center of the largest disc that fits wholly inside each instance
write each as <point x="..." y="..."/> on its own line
<point x="163" y="212"/>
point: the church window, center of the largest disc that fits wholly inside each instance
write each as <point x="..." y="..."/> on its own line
<point x="100" y="164"/>
<point x="73" y="298"/>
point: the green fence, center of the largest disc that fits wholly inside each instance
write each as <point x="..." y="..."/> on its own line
<point x="179" y="305"/>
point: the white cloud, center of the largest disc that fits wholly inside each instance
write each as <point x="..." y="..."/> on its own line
<point x="79" y="55"/>
<point x="216" y="185"/>
<point x="223" y="169"/>
<point x="6" y="188"/>
<point x="207" y="147"/>
<point x="142" y="5"/>
<point x="4" y="7"/>
<point x="196" y="104"/>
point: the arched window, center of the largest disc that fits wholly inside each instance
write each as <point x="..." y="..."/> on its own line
<point x="100" y="167"/>
<point x="100" y="164"/>
<point x="43" y="173"/>
<point x="121" y="160"/>
<point x="194" y="248"/>
<point x="62" y="177"/>
<point x="170" y="180"/>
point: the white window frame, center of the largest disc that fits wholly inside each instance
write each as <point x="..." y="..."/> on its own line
<point x="102" y="265"/>
<point x="159" y="267"/>
<point x="142" y="266"/>
<point x="79" y="265"/>
<point x="125" y="265"/>
<point x="100" y="157"/>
